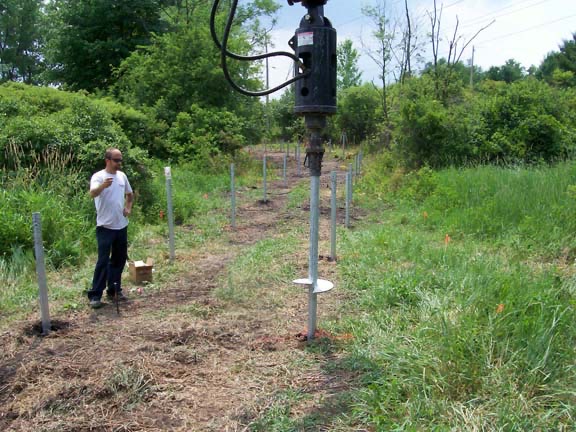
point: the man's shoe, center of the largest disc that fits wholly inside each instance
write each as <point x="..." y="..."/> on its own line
<point x="121" y="297"/>
<point x="96" y="304"/>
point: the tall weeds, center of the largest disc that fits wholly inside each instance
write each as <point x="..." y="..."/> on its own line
<point x="44" y="182"/>
<point x="465" y="301"/>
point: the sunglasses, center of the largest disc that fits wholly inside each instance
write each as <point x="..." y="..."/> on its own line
<point x="116" y="160"/>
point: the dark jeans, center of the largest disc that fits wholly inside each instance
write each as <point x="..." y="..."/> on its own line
<point x="112" y="256"/>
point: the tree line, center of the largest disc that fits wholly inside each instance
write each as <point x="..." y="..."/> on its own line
<point x="444" y="111"/>
<point x="152" y="56"/>
<point x="153" y="66"/>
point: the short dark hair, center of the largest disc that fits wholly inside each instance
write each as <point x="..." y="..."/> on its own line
<point x="108" y="154"/>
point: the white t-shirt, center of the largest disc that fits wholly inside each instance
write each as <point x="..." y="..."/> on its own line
<point x="110" y="202"/>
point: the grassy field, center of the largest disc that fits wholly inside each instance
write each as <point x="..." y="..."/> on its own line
<point x="457" y="298"/>
<point x="461" y="305"/>
<point x="467" y="297"/>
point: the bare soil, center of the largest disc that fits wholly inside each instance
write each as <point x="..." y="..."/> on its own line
<point x="159" y="366"/>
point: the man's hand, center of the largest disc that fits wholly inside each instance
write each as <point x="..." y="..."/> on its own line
<point x="128" y="206"/>
<point x="107" y="183"/>
<point x="104" y="185"/>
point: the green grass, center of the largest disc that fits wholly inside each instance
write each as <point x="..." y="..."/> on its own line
<point x="470" y="332"/>
<point x="260" y="270"/>
<point x="277" y="416"/>
<point x="299" y="196"/>
<point x="201" y="212"/>
<point x="532" y="209"/>
<point x="460" y="298"/>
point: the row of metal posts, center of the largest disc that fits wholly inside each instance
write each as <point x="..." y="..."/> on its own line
<point x="37" y="224"/>
<point x="350" y="174"/>
<point x="168" y="175"/>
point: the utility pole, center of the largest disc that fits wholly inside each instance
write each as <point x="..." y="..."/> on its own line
<point x="267" y="96"/>
<point x="472" y="69"/>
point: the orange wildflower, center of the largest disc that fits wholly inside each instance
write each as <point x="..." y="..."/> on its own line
<point x="447" y="239"/>
<point x="500" y="308"/>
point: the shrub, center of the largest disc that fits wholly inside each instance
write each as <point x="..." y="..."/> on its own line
<point x="37" y="124"/>
<point x="526" y="121"/>
<point x="65" y="209"/>
<point x="203" y="129"/>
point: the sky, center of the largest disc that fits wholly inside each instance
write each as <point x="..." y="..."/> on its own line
<point x="523" y="30"/>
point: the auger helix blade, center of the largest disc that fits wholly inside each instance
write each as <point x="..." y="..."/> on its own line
<point x="322" y="285"/>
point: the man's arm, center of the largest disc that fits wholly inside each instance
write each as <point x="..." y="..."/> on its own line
<point x="94" y="192"/>
<point x="128" y="203"/>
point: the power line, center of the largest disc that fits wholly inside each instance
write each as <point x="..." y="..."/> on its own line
<point x="492" y="12"/>
<point x="453" y="4"/>
<point x="527" y="29"/>
<point x="387" y="8"/>
<point x="476" y="21"/>
<point x="350" y="21"/>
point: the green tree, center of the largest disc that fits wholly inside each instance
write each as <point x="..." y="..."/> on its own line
<point x="359" y="111"/>
<point x="559" y="68"/>
<point x="20" y="40"/>
<point x="204" y="130"/>
<point x="449" y="79"/>
<point x="287" y="125"/>
<point x="348" y="73"/>
<point x="527" y="121"/>
<point x="88" y="39"/>
<point x="181" y="69"/>
<point x="509" y="72"/>
<point x="383" y="34"/>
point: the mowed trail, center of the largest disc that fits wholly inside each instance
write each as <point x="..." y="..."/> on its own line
<point x="178" y="358"/>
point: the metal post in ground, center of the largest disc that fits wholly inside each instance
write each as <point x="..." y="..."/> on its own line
<point x="168" y="175"/>
<point x="265" y="196"/>
<point x="41" y="273"/>
<point x="232" y="197"/>
<point x="284" y="166"/>
<point x="314" y="153"/>
<point x="298" y="167"/>
<point x="351" y="171"/>
<point x="333" y="217"/>
<point x="313" y="257"/>
<point x="347" y="218"/>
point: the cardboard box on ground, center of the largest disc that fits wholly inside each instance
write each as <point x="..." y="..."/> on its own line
<point x="141" y="271"/>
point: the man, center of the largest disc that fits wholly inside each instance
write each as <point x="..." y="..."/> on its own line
<point x="113" y="198"/>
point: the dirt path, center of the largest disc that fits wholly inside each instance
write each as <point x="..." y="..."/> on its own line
<point x="180" y="359"/>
